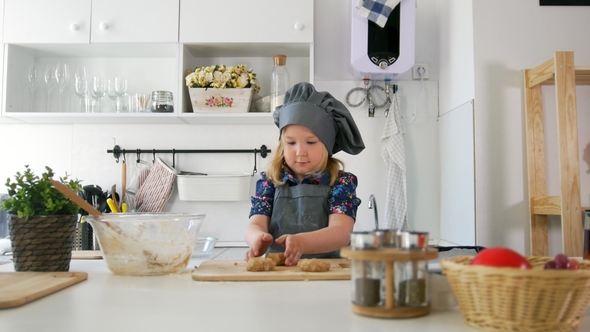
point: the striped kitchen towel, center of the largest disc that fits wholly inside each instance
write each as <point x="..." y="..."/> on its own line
<point x="153" y="194"/>
<point x="376" y="10"/>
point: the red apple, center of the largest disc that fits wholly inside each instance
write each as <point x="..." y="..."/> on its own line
<point x="501" y="257"/>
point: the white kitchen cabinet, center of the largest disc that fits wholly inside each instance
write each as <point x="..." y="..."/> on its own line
<point x="94" y="21"/>
<point x="119" y="21"/>
<point x="252" y="21"/>
<point x="124" y="40"/>
<point x="140" y="41"/>
<point x="47" y="21"/>
<point x="3" y="119"/>
<point x="245" y="32"/>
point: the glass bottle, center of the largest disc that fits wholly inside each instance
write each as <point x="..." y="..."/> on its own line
<point x="279" y="81"/>
<point x="411" y="277"/>
<point x="366" y="275"/>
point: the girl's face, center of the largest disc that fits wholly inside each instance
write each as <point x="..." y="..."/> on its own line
<point x="304" y="152"/>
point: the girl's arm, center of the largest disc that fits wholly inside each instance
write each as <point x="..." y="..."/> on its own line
<point x="257" y="236"/>
<point x="333" y="237"/>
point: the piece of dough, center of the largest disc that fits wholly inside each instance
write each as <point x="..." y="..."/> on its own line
<point x="277" y="257"/>
<point x="257" y="264"/>
<point x="314" y="265"/>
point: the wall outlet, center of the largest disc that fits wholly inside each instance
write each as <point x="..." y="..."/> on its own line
<point x="420" y="69"/>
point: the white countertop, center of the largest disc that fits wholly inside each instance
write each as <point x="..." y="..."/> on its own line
<point x="106" y="302"/>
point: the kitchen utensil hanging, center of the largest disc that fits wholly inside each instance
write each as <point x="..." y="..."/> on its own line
<point x="117" y="152"/>
<point x="157" y="188"/>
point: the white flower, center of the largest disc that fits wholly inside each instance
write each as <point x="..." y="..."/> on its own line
<point x="220" y="76"/>
<point x="209" y="77"/>
<point x="243" y="80"/>
<point x="190" y="77"/>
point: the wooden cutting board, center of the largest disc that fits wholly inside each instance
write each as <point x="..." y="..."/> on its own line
<point x="86" y="254"/>
<point x="235" y="270"/>
<point x="18" y="288"/>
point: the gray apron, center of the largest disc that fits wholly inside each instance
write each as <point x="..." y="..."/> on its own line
<point x="298" y="209"/>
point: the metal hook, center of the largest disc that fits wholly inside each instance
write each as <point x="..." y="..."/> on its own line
<point x="173" y="158"/>
<point x="138" y="151"/>
<point x="154" y="158"/>
<point x="124" y="156"/>
<point x="116" y="152"/>
<point x="254" y="171"/>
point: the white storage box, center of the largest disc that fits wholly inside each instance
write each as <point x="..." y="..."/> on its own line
<point x="214" y="187"/>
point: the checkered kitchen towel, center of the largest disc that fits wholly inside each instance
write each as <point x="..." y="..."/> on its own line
<point x="376" y="10"/>
<point x="394" y="156"/>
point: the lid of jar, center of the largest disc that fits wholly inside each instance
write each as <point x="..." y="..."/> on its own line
<point x="161" y="93"/>
<point x="365" y="240"/>
<point x="280" y="59"/>
<point x="413" y="240"/>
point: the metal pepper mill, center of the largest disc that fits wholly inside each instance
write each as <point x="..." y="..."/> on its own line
<point x="400" y="261"/>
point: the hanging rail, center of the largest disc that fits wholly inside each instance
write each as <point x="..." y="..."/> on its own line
<point x="117" y="152"/>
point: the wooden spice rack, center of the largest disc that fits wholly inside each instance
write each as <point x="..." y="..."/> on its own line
<point x="390" y="255"/>
<point x="560" y="72"/>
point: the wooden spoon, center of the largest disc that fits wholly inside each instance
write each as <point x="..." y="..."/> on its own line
<point x="62" y="188"/>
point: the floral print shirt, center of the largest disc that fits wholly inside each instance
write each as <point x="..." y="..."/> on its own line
<point x="342" y="197"/>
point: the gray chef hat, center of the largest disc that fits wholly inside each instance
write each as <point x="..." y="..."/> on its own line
<point x="328" y="118"/>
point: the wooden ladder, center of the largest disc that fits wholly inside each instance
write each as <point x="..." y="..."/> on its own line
<point x="561" y="72"/>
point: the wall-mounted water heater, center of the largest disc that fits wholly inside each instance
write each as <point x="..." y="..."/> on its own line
<point x="383" y="53"/>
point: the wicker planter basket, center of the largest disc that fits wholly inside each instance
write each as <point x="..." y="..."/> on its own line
<point x="42" y="243"/>
<point x="508" y="299"/>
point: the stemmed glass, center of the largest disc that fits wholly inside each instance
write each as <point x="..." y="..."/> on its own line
<point x="97" y="91"/>
<point x="112" y="94"/>
<point x="49" y="80"/>
<point x="81" y="86"/>
<point x="62" y="77"/>
<point x="34" y="78"/>
<point x="121" y="91"/>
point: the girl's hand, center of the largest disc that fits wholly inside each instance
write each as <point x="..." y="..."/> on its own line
<point x="293" y="248"/>
<point x="260" y="246"/>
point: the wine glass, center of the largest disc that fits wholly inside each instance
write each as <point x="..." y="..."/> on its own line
<point x="121" y="91"/>
<point x="81" y="86"/>
<point x="97" y="91"/>
<point x="49" y="80"/>
<point x="34" y="78"/>
<point x="112" y="94"/>
<point x="62" y="77"/>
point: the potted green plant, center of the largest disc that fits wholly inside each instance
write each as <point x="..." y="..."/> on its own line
<point x="222" y="88"/>
<point x="42" y="221"/>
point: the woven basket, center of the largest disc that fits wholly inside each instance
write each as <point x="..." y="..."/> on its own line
<point x="509" y="299"/>
<point x="42" y="243"/>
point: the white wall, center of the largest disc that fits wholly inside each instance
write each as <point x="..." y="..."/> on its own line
<point x="510" y="36"/>
<point x="455" y="64"/>
<point x="81" y="149"/>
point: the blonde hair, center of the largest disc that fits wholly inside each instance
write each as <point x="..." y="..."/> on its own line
<point x="276" y="166"/>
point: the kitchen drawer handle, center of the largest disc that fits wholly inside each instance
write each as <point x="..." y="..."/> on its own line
<point x="299" y="26"/>
<point x="103" y="26"/>
<point x="74" y="27"/>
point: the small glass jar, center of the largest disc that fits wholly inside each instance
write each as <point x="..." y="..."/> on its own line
<point x="367" y="275"/>
<point x="411" y="277"/>
<point x="161" y="102"/>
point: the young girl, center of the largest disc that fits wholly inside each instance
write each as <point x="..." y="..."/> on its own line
<point x="305" y="204"/>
